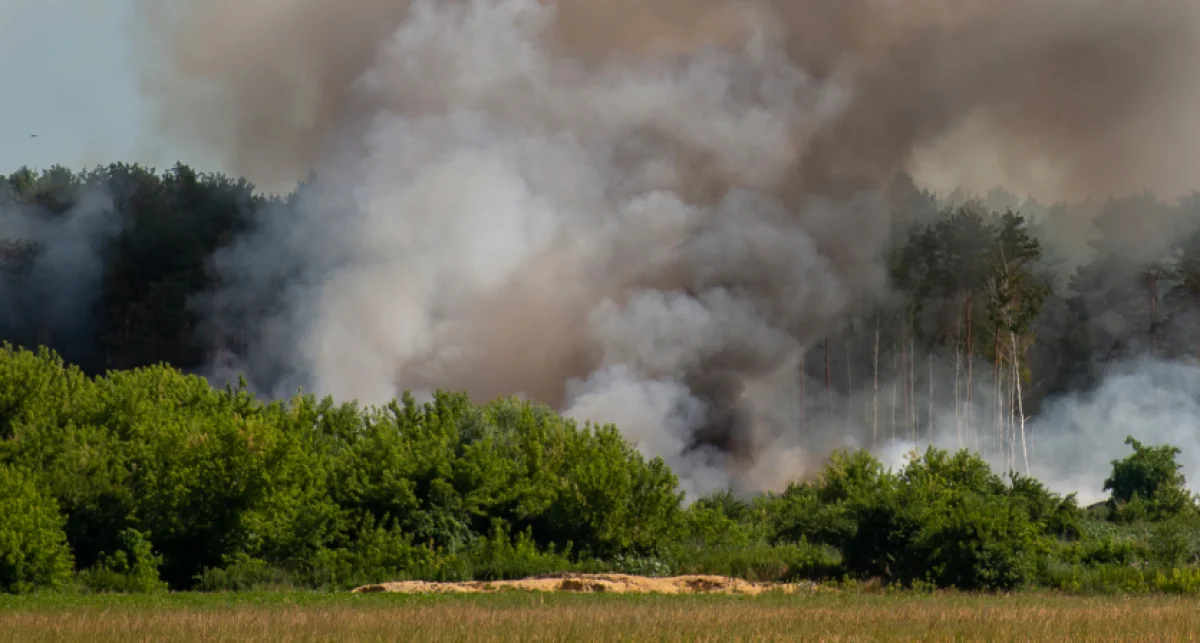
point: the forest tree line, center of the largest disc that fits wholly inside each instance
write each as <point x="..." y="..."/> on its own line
<point x="118" y="472"/>
<point x="149" y="479"/>
<point x="999" y="303"/>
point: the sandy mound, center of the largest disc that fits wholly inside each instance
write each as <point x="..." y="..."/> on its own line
<point x="611" y="583"/>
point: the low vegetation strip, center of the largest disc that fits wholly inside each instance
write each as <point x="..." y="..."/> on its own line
<point x="148" y="480"/>
<point x="592" y="583"/>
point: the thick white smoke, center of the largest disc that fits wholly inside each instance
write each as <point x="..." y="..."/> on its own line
<point x="523" y="224"/>
<point x="634" y="210"/>
<point x="1075" y="437"/>
<point x="51" y="268"/>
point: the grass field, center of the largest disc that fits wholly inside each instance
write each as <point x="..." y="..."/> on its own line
<point x="562" y="617"/>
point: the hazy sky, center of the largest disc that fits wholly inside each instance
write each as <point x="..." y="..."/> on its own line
<point x="67" y="79"/>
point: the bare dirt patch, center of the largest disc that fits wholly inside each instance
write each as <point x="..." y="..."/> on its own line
<point x="591" y="583"/>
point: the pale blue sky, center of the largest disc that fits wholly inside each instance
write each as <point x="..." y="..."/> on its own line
<point x="68" y="79"/>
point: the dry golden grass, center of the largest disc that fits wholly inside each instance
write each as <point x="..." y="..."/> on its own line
<point x="550" y="617"/>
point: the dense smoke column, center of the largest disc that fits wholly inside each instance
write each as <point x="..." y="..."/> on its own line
<point x="1069" y="99"/>
<point x="637" y="212"/>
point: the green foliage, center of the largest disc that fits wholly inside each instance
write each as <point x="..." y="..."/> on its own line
<point x="147" y="479"/>
<point x="33" y="547"/>
<point x="1175" y="542"/>
<point x="943" y="519"/>
<point x="763" y="563"/>
<point x="131" y="569"/>
<point x="1148" y="485"/>
<point x="245" y="574"/>
<point x="215" y="482"/>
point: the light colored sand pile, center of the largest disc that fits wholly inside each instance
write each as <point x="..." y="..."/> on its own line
<point x="610" y="583"/>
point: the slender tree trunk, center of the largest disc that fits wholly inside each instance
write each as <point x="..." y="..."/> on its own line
<point x="1152" y="279"/>
<point x="999" y="434"/>
<point x="795" y="393"/>
<point x="999" y="356"/>
<point x="828" y="380"/>
<point x="849" y="387"/>
<point x="803" y="379"/>
<point x="875" y="383"/>
<point x="895" y="383"/>
<point x="931" y="420"/>
<point x="968" y="411"/>
<point x="958" y="423"/>
<point x="1012" y="417"/>
<point x="904" y="364"/>
<point x="1020" y="402"/>
<point x="912" y="387"/>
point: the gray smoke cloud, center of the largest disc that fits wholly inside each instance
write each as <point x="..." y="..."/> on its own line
<point x="1067" y="99"/>
<point x="630" y="210"/>
<point x="50" y="268"/>
<point x="1080" y="435"/>
<point x="1075" y="438"/>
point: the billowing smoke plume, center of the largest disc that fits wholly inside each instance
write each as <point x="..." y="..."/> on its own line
<point x="638" y="211"/>
<point x="1074" y="440"/>
<point x="50" y="268"/>
<point x="1073" y="98"/>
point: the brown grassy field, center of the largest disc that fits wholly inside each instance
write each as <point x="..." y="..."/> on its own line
<point x="556" y="617"/>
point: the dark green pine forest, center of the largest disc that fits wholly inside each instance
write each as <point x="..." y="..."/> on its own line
<point x="121" y="472"/>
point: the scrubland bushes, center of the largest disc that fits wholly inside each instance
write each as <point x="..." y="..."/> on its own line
<point x="149" y="479"/>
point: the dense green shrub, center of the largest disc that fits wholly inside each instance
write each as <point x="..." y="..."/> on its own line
<point x="944" y="519"/>
<point x="1148" y="485"/>
<point x="131" y="569"/>
<point x="150" y="478"/>
<point x="332" y="494"/>
<point x="33" y="547"/>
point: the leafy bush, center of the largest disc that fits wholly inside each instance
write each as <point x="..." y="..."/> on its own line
<point x="764" y="563"/>
<point x="1098" y="579"/>
<point x="502" y="557"/>
<point x="131" y="569"/>
<point x="944" y="519"/>
<point x="1178" y="581"/>
<point x="33" y="548"/>
<point x="244" y="574"/>
<point x="1176" y="542"/>
<point x="1148" y="485"/>
<point x="148" y="476"/>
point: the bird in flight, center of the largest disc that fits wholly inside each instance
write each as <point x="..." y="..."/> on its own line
<point x="33" y="136"/>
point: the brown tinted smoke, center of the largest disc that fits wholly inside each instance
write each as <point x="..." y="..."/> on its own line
<point x="634" y="210"/>
<point x="1099" y="90"/>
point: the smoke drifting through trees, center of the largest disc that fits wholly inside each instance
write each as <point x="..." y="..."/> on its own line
<point x="639" y="212"/>
<point x="50" y="263"/>
<point x="668" y="215"/>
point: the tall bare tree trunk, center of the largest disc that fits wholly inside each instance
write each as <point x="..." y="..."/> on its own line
<point x="904" y="364"/>
<point x="999" y="356"/>
<point x="999" y="427"/>
<point x="931" y="420"/>
<point x="795" y="399"/>
<point x="1020" y="402"/>
<point x="1012" y="418"/>
<point x="1152" y="279"/>
<point x="895" y="383"/>
<point x="803" y="379"/>
<point x="849" y="387"/>
<point x="875" y="383"/>
<point x="912" y="387"/>
<point x="828" y="380"/>
<point x="968" y="411"/>
<point x="958" y="422"/>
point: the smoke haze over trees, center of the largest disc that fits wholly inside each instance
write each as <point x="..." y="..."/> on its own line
<point x="709" y="225"/>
